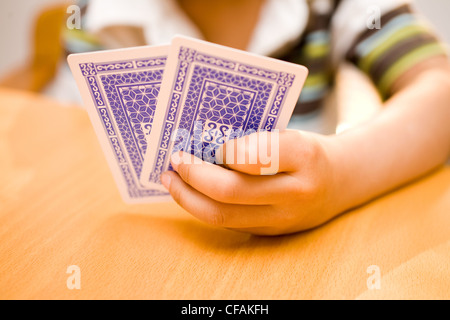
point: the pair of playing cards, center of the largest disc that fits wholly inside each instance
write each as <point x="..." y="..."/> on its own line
<point x="146" y="103"/>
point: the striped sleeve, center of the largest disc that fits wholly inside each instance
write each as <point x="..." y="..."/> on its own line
<point x="402" y="41"/>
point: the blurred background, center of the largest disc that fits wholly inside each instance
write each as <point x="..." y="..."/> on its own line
<point x="19" y="20"/>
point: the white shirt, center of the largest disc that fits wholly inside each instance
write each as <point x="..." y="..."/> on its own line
<point x="281" y="21"/>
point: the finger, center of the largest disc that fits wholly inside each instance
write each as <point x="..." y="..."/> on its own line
<point x="230" y="186"/>
<point x="262" y="153"/>
<point x="217" y="213"/>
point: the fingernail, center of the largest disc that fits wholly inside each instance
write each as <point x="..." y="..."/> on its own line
<point x="165" y="180"/>
<point x="175" y="160"/>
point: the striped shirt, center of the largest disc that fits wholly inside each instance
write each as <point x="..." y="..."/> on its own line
<point x="383" y="49"/>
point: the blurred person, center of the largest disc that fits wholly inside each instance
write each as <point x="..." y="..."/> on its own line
<point x="321" y="175"/>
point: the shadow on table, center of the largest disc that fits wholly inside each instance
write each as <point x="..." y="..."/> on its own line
<point x="145" y="237"/>
<point x="177" y="231"/>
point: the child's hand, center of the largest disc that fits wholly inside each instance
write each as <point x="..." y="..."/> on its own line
<point x="303" y="194"/>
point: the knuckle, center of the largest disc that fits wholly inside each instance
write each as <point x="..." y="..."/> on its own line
<point x="295" y="188"/>
<point x="310" y="149"/>
<point x="308" y="188"/>
<point x="228" y="192"/>
<point x="292" y="136"/>
<point x="313" y="151"/>
<point x="184" y="171"/>
<point x="217" y="217"/>
<point x="177" y="194"/>
<point x="312" y="189"/>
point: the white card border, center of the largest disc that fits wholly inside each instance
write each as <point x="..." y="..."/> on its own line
<point x="74" y="61"/>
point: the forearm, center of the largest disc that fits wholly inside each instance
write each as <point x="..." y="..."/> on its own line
<point x="410" y="137"/>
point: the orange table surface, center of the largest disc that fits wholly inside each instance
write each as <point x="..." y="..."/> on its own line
<point x="60" y="207"/>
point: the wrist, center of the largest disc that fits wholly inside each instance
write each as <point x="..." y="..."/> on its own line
<point x="344" y="172"/>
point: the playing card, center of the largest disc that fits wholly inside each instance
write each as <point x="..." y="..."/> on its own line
<point x="120" y="90"/>
<point x="210" y="91"/>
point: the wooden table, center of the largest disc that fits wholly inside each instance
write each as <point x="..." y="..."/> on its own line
<point x="59" y="207"/>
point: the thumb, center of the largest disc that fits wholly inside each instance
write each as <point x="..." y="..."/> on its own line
<point x="260" y="153"/>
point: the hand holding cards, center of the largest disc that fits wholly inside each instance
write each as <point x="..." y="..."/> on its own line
<point x="147" y="103"/>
